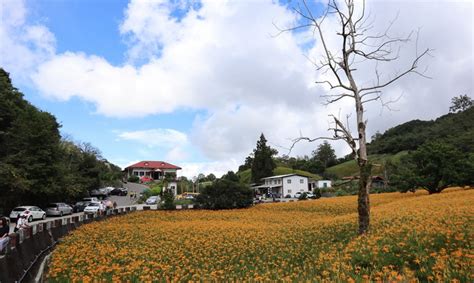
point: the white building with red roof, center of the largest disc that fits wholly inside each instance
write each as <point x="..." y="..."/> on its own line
<point x="155" y="170"/>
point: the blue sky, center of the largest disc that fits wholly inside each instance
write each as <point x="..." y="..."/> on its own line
<point x="194" y="83"/>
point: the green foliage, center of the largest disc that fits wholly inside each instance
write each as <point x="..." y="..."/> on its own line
<point x="454" y="128"/>
<point x="224" y="194"/>
<point x="461" y="103"/>
<point x="167" y="200"/>
<point x="133" y="179"/>
<point x="350" y="168"/>
<point x="433" y="167"/>
<point x="303" y="196"/>
<point x="325" y="154"/>
<point x="231" y="176"/>
<point x="37" y="166"/>
<point x="263" y="164"/>
<point x="154" y="190"/>
<point x="317" y="193"/>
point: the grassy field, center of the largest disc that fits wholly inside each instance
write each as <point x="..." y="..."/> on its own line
<point x="246" y="175"/>
<point x="413" y="237"/>
<point x="349" y="168"/>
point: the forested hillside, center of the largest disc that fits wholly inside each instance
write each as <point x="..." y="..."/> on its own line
<point x="38" y="166"/>
<point x="456" y="129"/>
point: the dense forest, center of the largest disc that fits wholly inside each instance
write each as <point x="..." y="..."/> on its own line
<point x="456" y="129"/>
<point x="37" y="165"/>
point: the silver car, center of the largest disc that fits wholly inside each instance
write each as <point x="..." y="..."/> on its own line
<point x="58" y="209"/>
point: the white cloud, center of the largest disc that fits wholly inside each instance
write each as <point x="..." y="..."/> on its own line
<point x="221" y="59"/>
<point x="156" y="137"/>
<point x="23" y="46"/>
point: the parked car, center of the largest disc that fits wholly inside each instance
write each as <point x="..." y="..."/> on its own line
<point x="298" y="194"/>
<point x="288" y="196"/>
<point x="80" y="205"/>
<point x="152" y="200"/>
<point x="90" y="199"/>
<point x="119" y="192"/>
<point x="32" y="212"/>
<point x="94" y="207"/>
<point x="58" y="209"/>
<point x="100" y="193"/>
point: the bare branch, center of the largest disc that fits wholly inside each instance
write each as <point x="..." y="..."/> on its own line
<point x="397" y="77"/>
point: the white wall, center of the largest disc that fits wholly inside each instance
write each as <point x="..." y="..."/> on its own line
<point x="322" y="182"/>
<point x="295" y="186"/>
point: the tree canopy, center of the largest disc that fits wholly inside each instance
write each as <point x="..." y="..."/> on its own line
<point x="36" y="164"/>
<point x="460" y="103"/>
<point x="263" y="163"/>
<point x="434" y="166"/>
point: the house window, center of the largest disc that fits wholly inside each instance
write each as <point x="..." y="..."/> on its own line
<point x="135" y="173"/>
<point x="325" y="185"/>
<point x="301" y="181"/>
<point x="288" y="181"/>
<point x="289" y="191"/>
<point x="142" y="173"/>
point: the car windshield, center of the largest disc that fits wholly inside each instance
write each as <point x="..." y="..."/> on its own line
<point x="52" y="205"/>
<point x="19" y="209"/>
<point x="93" y="204"/>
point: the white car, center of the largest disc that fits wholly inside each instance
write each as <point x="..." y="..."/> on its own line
<point x="32" y="212"/>
<point x="298" y="194"/>
<point x="94" y="207"/>
<point x="153" y="200"/>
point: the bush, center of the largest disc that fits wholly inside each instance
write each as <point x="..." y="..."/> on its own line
<point x="225" y="194"/>
<point x="168" y="200"/>
<point x="303" y="196"/>
<point x="133" y="179"/>
<point x="317" y="193"/>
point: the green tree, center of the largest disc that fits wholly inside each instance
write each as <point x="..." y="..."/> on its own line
<point x="168" y="200"/>
<point x="325" y="154"/>
<point x="247" y="163"/>
<point x="460" y="103"/>
<point x="231" y="176"/>
<point x="225" y="194"/>
<point x="433" y="167"/>
<point x="211" y="177"/>
<point x="263" y="164"/>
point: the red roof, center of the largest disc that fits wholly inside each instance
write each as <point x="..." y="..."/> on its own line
<point x="154" y="165"/>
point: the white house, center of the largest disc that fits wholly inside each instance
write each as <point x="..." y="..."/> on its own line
<point x="322" y="184"/>
<point x="154" y="169"/>
<point x="283" y="185"/>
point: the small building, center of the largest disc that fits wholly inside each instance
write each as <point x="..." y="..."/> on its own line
<point x="156" y="170"/>
<point x="283" y="185"/>
<point x="323" y="184"/>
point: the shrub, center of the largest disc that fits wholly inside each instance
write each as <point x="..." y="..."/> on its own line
<point x="317" y="193"/>
<point x="168" y="200"/>
<point x="225" y="194"/>
<point x="303" y="196"/>
<point x="133" y="179"/>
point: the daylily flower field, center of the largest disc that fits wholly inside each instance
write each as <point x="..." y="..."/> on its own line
<point x="414" y="237"/>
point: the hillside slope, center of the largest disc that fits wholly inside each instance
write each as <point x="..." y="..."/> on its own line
<point x="350" y="168"/>
<point x="454" y="128"/>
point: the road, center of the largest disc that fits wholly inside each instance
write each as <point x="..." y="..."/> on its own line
<point x="133" y="188"/>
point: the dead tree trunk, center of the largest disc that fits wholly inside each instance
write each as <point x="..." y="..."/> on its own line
<point x="356" y="48"/>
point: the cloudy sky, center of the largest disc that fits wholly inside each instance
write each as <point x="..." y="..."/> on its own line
<point x="194" y="83"/>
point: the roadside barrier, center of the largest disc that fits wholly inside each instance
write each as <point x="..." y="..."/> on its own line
<point x="27" y="246"/>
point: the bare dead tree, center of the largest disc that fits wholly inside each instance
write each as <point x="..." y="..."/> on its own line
<point x="357" y="46"/>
